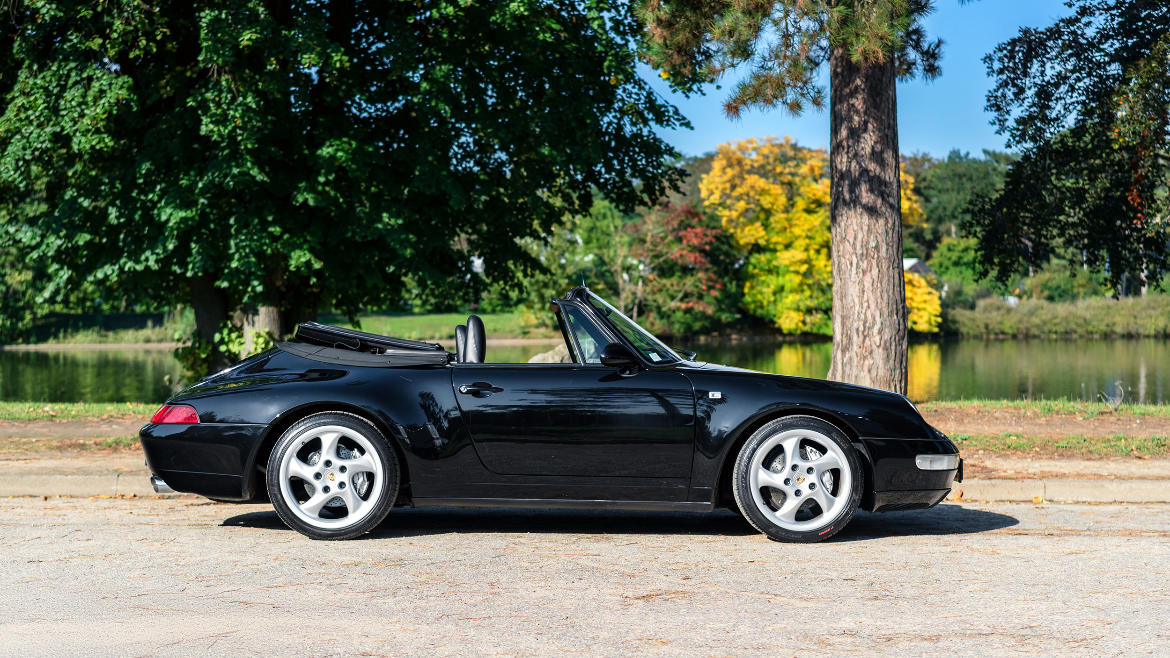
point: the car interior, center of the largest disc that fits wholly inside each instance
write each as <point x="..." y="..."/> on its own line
<point x="470" y="341"/>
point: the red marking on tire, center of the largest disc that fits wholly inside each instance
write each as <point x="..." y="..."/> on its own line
<point x="824" y="531"/>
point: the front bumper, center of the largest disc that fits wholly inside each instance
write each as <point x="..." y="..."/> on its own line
<point x="213" y="460"/>
<point x="898" y="483"/>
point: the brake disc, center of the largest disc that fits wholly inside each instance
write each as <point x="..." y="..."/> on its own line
<point x="777" y="466"/>
<point x="811" y="454"/>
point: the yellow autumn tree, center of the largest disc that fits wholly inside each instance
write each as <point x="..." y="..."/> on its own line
<point x="773" y="197"/>
<point x="923" y="302"/>
<point x="912" y="212"/>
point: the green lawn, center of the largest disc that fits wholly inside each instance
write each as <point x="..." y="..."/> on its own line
<point x="441" y="326"/>
<point x="68" y="410"/>
<point x="1045" y="407"/>
<point x="95" y="336"/>
<point x="1067" y="447"/>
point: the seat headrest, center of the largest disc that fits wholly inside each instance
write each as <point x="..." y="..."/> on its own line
<point x="476" y="341"/>
<point x="460" y="343"/>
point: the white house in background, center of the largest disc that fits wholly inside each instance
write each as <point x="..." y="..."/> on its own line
<point x="916" y="266"/>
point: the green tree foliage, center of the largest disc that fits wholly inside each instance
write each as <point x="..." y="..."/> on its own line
<point x="1087" y="99"/>
<point x="297" y="156"/>
<point x="783" y="44"/>
<point x="957" y="259"/>
<point x="946" y="187"/>
<point x="18" y="304"/>
<point x="1058" y="281"/>
<point x="670" y="266"/>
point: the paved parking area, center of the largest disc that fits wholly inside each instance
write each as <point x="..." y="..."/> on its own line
<point x="181" y="577"/>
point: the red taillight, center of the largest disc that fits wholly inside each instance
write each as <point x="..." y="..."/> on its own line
<point x="177" y="415"/>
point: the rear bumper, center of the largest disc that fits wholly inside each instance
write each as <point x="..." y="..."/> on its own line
<point x="213" y="460"/>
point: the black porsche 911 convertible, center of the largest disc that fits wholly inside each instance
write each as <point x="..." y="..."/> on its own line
<point x="339" y="428"/>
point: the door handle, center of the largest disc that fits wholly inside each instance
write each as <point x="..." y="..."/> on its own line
<point x="477" y="388"/>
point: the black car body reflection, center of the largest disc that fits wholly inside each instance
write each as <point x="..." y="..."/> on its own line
<point x="660" y="432"/>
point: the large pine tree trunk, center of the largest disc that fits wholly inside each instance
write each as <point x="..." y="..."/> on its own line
<point x="869" y="293"/>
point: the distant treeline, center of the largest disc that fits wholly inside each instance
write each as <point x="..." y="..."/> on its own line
<point x="1132" y="317"/>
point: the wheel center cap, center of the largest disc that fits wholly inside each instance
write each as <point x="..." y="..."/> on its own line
<point x="799" y="479"/>
<point x="331" y="476"/>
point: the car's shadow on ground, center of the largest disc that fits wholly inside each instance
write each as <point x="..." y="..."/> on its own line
<point x="941" y="520"/>
<point x="938" y="520"/>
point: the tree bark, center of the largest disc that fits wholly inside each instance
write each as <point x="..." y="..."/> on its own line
<point x="869" y="293"/>
<point x="265" y="315"/>
<point x="210" y="306"/>
<point x="264" y="319"/>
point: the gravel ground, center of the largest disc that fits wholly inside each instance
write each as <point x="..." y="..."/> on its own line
<point x="173" y="577"/>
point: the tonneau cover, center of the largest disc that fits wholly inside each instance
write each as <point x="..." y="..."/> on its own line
<point x="390" y="358"/>
<point x="328" y="335"/>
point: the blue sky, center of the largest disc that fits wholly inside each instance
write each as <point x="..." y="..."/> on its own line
<point x="934" y="117"/>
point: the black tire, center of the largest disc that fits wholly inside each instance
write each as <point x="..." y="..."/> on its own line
<point x="359" y="438"/>
<point x="797" y="493"/>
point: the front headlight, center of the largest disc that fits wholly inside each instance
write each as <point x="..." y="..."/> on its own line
<point x="937" y="462"/>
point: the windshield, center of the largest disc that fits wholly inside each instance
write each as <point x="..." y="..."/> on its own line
<point x="650" y="347"/>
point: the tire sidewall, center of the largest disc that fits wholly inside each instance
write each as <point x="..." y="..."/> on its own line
<point x="741" y="483"/>
<point x="385" y="453"/>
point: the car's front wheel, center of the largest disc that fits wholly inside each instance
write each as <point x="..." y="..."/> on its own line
<point x="798" y="479"/>
<point x="332" y="476"/>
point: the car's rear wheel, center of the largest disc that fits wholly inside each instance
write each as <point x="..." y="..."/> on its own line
<point x="798" y="479"/>
<point x="332" y="476"/>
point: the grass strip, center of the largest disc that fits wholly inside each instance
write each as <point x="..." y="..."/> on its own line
<point x="1046" y="407"/>
<point x="95" y="336"/>
<point x="1069" y="447"/>
<point x="75" y="410"/>
<point x="84" y="447"/>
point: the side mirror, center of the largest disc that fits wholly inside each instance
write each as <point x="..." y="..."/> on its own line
<point x="617" y="355"/>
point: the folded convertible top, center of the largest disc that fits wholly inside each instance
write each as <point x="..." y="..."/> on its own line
<point x="328" y="335"/>
<point x="390" y="358"/>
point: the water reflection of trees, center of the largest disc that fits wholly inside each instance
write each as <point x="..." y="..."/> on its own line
<point x="88" y="375"/>
<point x="951" y="369"/>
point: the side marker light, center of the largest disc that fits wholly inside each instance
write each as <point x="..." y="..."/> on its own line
<point x="937" y="462"/>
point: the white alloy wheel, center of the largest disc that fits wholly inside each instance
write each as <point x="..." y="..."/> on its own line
<point x="806" y="479"/>
<point x="798" y="479"/>
<point x="332" y="476"/>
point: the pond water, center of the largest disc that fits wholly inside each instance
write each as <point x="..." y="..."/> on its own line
<point x="944" y="370"/>
<point x="122" y="375"/>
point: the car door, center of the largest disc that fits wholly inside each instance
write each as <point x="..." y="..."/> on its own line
<point x="578" y="419"/>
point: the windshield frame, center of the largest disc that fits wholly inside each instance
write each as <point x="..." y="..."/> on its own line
<point x="669" y="356"/>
